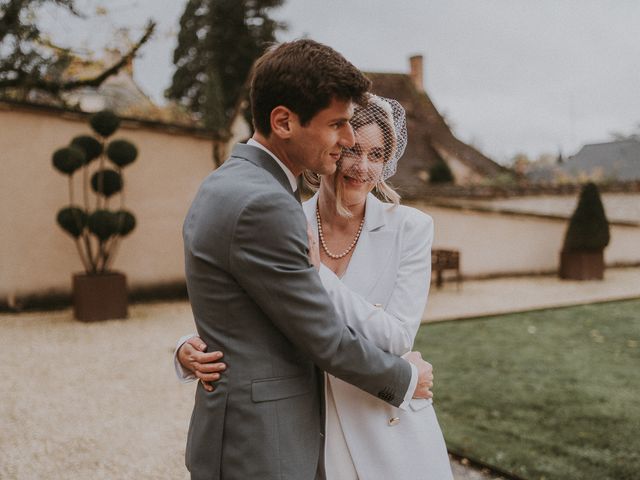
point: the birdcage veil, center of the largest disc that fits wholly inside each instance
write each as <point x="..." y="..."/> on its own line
<point x="380" y="129"/>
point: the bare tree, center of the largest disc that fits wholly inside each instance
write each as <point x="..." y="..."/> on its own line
<point x="28" y="62"/>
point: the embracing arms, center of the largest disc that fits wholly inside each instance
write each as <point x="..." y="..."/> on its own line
<point x="268" y="259"/>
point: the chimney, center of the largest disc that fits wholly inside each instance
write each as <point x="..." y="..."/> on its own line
<point x="416" y="73"/>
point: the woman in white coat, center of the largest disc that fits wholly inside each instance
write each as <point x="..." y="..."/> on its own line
<point x="375" y="263"/>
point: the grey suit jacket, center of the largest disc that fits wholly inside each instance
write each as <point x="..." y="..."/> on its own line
<point x="256" y="297"/>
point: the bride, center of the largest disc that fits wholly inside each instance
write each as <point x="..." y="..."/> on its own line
<point x="375" y="263"/>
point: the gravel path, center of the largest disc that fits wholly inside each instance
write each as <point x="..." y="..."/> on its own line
<point x="97" y="401"/>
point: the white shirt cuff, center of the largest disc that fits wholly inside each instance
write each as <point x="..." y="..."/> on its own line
<point x="184" y="375"/>
<point x="412" y="388"/>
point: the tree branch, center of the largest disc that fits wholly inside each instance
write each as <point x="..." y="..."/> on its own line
<point x="11" y="16"/>
<point x="22" y="80"/>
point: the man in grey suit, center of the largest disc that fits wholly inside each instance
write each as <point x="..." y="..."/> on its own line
<point x="256" y="296"/>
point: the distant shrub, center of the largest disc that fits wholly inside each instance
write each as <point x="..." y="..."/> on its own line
<point x="588" y="228"/>
<point x="440" y="173"/>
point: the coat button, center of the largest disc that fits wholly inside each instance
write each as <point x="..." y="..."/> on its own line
<point x="394" y="421"/>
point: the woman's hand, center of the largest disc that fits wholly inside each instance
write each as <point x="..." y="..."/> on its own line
<point x="192" y="356"/>
<point x="314" y="248"/>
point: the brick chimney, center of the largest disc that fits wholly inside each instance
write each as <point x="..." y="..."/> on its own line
<point x="416" y="72"/>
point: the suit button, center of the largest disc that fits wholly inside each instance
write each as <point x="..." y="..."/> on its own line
<point x="394" y="421"/>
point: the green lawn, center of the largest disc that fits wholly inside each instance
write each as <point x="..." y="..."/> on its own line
<point x="552" y="394"/>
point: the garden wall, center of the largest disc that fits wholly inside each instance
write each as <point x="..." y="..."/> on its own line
<point x="36" y="256"/>
<point x="494" y="243"/>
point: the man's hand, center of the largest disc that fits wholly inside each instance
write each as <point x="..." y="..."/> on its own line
<point x="192" y="356"/>
<point x="425" y="375"/>
<point x="314" y="248"/>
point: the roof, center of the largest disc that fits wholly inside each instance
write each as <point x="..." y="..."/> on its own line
<point x="619" y="160"/>
<point x="129" y="121"/>
<point x="118" y="92"/>
<point x="430" y="138"/>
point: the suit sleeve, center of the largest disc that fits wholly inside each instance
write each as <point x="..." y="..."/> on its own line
<point x="268" y="258"/>
<point x="393" y="328"/>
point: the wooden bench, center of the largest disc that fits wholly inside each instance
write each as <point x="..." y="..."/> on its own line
<point x="442" y="260"/>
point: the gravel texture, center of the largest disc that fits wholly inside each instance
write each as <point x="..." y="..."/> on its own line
<point x="98" y="400"/>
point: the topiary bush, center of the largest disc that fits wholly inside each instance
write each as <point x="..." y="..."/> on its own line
<point x="95" y="227"/>
<point x="588" y="228"/>
<point x="440" y="173"/>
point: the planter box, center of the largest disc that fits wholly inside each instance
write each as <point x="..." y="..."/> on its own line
<point x="582" y="265"/>
<point x="99" y="297"/>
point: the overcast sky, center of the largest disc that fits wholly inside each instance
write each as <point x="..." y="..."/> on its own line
<point x="509" y="75"/>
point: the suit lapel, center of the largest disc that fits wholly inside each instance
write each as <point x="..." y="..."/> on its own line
<point x="371" y="254"/>
<point x="262" y="159"/>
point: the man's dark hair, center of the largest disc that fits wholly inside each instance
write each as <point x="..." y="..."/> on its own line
<point x="303" y="76"/>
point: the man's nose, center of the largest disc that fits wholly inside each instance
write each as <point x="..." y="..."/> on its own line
<point x="348" y="138"/>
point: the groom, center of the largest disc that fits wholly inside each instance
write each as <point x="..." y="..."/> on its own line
<point x="253" y="292"/>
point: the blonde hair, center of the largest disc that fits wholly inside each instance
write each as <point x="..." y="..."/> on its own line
<point x="384" y="191"/>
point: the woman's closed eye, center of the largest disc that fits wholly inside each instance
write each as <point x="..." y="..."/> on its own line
<point x="376" y="155"/>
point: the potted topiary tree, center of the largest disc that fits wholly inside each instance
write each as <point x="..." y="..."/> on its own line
<point x="99" y="222"/>
<point x="582" y="255"/>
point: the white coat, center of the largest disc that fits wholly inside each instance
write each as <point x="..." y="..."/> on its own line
<point x="382" y="295"/>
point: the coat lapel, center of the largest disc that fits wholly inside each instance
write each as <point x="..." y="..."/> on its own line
<point x="261" y="159"/>
<point x="372" y="252"/>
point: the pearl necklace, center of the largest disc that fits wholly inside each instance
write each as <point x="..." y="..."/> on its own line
<point x="324" y="245"/>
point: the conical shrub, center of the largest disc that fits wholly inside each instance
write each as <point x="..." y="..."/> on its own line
<point x="440" y="173"/>
<point x="588" y="228"/>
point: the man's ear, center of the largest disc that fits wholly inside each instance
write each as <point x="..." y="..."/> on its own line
<point x="282" y="120"/>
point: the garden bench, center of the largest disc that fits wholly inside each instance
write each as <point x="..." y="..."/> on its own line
<point x="442" y="260"/>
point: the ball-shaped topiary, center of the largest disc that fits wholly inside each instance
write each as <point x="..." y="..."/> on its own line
<point x="99" y="226"/>
<point x="91" y="147"/>
<point x="111" y="182"/>
<point x="102" y="223"/>
<point x="125" y="222"/>
<point x="122" y="152"/>
<point x="73" y="220"/>
<point x="68" y="159"/>
<point x="588" y="228"/>
<point x="105" y="123"/>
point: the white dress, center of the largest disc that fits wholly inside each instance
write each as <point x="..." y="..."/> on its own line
<point x="382" y="295"/>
